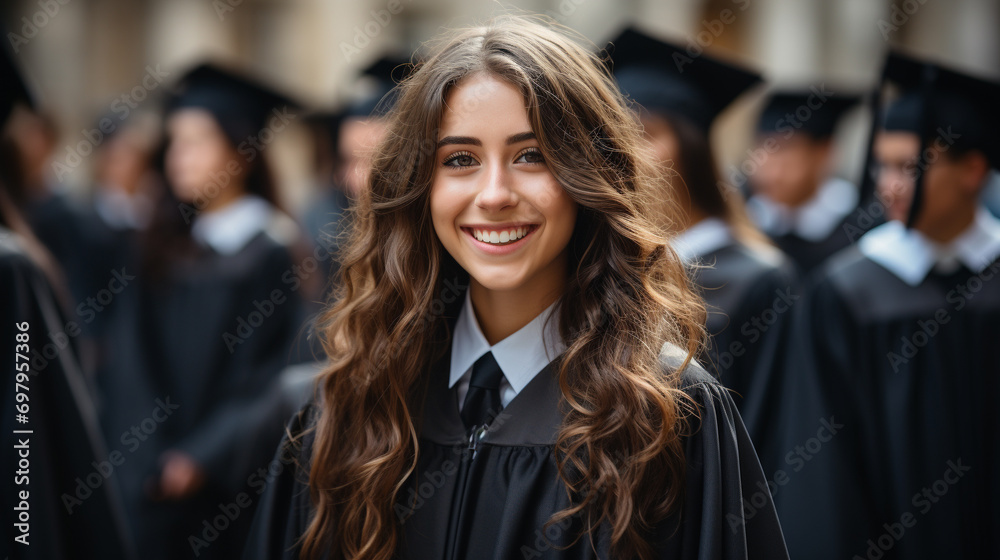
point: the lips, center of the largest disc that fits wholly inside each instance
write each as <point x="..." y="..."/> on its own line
<point x="499" y="239"/>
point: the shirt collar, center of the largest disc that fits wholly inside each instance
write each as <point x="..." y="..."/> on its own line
<point x="228" y="230"/>
<point x="813" y="221"/>
<point x="521" y="355"/>
<point x="911" y="256"/>
<point x="702" y="238"/>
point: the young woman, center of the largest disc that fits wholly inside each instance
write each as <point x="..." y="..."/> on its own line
<point x="552" y="409"/>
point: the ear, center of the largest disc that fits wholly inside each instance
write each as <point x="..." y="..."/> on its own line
<point x="974" y="168"/>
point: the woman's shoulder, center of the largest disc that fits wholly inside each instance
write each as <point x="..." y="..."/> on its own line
<point x="672" y="358"/>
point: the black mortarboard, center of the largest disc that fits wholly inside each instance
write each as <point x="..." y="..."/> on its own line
<point x="813" y="112"/>
<point x="239" y="104"/>
<point x="934" y="97"/>
<point x="14" y="89"/>
<point x="383" y="75"/>
<point x="663" y="77"/>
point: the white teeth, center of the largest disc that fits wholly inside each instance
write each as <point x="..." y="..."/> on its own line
<point x="505" y="236"/>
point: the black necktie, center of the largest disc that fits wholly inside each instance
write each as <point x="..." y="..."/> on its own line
<point x="482" y="402"/>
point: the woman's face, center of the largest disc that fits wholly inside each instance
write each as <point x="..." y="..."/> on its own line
<point x="496" y="206"/>
<point x="200" y="162"/>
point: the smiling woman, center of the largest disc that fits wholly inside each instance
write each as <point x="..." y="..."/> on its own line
<point x="552" y="412"/>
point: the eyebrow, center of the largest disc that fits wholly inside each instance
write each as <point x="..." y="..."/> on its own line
<point x="471" y="141"/>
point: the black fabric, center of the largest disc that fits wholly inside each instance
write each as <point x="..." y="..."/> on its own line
<point x="495" y="503"/>
<point x="749" y="294"/>
<point x="482" y="401"/>
<point x="891" y="390"/>
<point x="75" y="510"/>
<point x="809" y="255"/>
<point x="206" y="343"/>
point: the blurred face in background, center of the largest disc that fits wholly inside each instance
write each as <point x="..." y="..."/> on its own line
<point x="201" y="164"/>
<point x="123" y="162"/>
<point x="358" y="139"/>
<point x="791" y="173"/>
<point x="951" y="183"/>
<point x="35" y="137"/>
<point x="661" y="137"/>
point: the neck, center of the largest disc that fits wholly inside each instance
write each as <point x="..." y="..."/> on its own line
<point x="226" y="196"/>
<point x="501" y="313"/>
<point x="957" y="222"/>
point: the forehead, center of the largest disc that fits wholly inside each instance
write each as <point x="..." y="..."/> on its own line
<point x="484" y="103"/>
<point x="896" y="144"/>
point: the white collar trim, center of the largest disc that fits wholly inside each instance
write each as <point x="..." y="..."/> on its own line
<point x="911" y="256"/>
<point x="710" y="234"/>
<point x="228" y="230"/>
<point x="813" y="221"/>
<point x="521" y="355"/>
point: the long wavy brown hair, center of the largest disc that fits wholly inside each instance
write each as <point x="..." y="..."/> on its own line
<point x="619" y="448"/>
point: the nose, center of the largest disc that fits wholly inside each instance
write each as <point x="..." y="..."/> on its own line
<point x="495" y="192"/>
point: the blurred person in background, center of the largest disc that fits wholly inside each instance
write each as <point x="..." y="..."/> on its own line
<point x="795" y="199"/>
<point x="345" y="142"/>
<point x="212" y="320"/>
<point x="54" y="508"/>
<point x="896" y="348"/>
<point x="741" y="276"/>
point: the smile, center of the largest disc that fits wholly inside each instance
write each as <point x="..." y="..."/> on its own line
<point x="493" y="236"/>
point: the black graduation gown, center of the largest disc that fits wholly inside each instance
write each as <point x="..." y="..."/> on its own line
<point x="495" y="504"/>
<point x="748" y="294"/>
<point x="808" y="255"/>
<point x="205" y="346"/>
<point x="892" y="432"/>
<point x="74" y="506"/>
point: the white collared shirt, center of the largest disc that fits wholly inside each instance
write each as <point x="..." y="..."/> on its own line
<point x="814" y="220"/>
<point x="710" y="234"/>
<point x="230" y="228"/>
<point x="911" y="256"/>
<point x="521" y="356"/>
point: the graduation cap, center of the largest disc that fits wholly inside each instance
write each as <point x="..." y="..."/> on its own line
<point x="241" y="105"/>
<point x="937" y="98"/>
<point x="383" y="75"/>
<point x="780" y="112"/>
<point x="15" y="90"/>
<point x="939" y="102"/>
<point x="663" y="77"/>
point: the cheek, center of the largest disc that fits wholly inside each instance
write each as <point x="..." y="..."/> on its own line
<point x="446" y="204"/>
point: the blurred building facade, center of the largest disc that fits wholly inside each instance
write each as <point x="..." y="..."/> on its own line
<point x="89" y="57"/>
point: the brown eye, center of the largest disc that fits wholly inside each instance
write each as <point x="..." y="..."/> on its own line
<point x="530" y="155"/>
<point x="460" y="159"/>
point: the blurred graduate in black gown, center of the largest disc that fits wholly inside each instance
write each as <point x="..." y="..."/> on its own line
<point x="210" y="323"/>
<point x="795" y="199"/>
<point x="60" y="496"/>
<point x="894" y="430"/>
<point x="748" y="285"/>
<point x="345" y="141"/>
